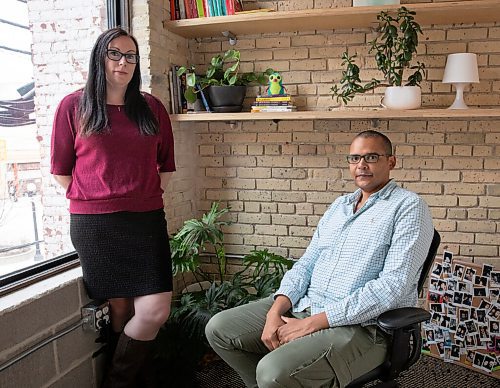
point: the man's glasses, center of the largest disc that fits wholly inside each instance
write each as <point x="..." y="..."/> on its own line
<point x="369" y="158"/>
<point x="116" y="55"/>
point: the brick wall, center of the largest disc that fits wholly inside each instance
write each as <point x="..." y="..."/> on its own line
<point x="159" y="50"/>
<point x="63" y="35"/>
<point x="279" y="178"/>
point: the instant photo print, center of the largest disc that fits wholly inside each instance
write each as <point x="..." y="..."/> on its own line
<point x="464" y="328"/>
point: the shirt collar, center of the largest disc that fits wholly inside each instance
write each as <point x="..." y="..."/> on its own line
<point x="383" y="193"/>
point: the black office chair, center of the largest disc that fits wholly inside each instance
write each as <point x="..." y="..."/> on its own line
<point x="404" y="326"/>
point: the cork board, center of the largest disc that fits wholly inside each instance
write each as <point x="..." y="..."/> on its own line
<point x="463" y="299"/>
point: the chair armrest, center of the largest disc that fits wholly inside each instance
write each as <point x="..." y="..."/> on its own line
<point x="402" y="317"/>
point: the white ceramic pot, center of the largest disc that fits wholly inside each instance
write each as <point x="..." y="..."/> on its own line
<point x="363" y="3"/>
<point x="402" y="97"/>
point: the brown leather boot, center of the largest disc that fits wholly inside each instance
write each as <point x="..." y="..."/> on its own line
<point x="128" y="359"/>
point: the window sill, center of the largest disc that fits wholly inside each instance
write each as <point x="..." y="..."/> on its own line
<point x="26" y="295"/>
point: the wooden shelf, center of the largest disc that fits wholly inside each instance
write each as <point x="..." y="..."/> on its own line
<point x="347" y="114"/>
<point x="477" y="11"/>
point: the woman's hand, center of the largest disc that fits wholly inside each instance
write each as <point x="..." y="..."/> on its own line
<point x="63" y="180"/>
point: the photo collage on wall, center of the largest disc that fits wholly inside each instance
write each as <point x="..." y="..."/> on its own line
<point x="464" y="328"/>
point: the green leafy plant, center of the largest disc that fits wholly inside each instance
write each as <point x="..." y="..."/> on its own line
<point x="260" y="276"/>
<point x="182" y="345"/>
<point x="193" y="240"/>
<point x="394" y="48"/>
<point x="223" y="70"/>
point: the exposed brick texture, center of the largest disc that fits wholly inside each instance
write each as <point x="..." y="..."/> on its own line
<point x="278" y="178"/>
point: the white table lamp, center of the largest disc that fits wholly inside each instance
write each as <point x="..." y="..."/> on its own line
<point x="460" y="70"/>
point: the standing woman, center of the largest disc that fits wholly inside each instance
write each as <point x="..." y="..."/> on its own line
<point x="113" y="152"/>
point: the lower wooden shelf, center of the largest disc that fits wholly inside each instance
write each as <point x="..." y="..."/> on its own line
<point x="347" y="114"/>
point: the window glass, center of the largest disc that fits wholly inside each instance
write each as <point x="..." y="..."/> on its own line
<point x="22" y="232"/>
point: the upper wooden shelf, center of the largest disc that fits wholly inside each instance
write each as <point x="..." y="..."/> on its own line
<point x="477" y="11"/>
<point x="347" y="114"/>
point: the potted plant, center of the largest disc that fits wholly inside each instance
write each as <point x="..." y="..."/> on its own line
<point x="394" y="48"/>
<point x="225" y="84"/>
<point x="207" y="292"/>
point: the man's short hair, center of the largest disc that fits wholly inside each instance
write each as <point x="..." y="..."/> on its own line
<point x="372" y="133"/>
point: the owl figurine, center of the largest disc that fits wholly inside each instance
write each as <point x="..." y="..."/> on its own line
<point x="275" y="86"/>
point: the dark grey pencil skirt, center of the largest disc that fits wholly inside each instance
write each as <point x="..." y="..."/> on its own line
<point x="123" y="254"/>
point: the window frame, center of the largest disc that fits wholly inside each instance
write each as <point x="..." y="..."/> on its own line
<point x="118" y="14"/>
<point x="26" y="276"/>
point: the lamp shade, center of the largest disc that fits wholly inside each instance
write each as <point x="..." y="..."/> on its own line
<point x="461" y="67"/>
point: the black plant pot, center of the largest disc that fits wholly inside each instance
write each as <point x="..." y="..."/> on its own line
<point x="226" y="98"/>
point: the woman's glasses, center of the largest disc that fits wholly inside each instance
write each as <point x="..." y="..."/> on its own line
<point x="116" y="55"/>
<point x="369" y="158"/>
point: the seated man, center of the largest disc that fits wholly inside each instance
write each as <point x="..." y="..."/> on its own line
<point x="318" y="330"/>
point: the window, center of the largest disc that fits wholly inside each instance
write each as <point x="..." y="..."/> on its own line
<point x="21" y="210"/>
<point x="118" y="14"/>
<point x="40" y="65"/>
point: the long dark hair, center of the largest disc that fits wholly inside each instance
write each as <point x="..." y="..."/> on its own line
<point x="92" y="108"/>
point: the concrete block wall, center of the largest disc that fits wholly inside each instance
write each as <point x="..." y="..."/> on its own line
<point x="279" y="178"/>
<point x="53" y="306"/>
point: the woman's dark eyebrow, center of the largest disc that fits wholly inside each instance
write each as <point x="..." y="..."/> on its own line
<point x="126" y="52"/>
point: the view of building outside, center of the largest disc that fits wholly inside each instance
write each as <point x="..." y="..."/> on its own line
<point x="21" y="195"/>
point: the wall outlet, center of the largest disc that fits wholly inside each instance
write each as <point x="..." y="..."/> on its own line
<point x="95" y="315"/>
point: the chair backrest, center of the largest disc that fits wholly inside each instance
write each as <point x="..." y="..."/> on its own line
<point x="431" y="255"/>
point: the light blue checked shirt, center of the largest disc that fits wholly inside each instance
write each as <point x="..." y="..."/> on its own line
<point x="359" y="265"/>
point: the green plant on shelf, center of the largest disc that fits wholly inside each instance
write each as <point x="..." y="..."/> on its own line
<point x="223" y="70"/>
<point x="394" y="48"/>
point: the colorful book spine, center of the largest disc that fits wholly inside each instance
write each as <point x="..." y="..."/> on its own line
<point x="183" y="102"/>
<point x="194" y="9"/>
<point x="230" y="7"/>
<point x="271" y="99"/>
<point x="211" y="8"/>
<point x="182" y="9"/>
<point x="217" y="8"/>
<point x="199" y="7"/>
<point x="187" y="7"/>
<point x="175" y="89"/>
<point x="273" y="103"/>
<point x="206" y="9"/>
<point x="238" y="5"/>
<point x="270" y="109"/>
<point x="171" y="87"/>
<point x="172" y="10"/>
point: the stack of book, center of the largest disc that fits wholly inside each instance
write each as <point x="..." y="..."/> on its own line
<point x="177" y="86"/>
<point x="274" y="103"/>
<point x="178" y="103"/>
<point x="189" y="9"/>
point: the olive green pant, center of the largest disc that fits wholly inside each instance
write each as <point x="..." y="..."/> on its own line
<point x="327" y="358"/>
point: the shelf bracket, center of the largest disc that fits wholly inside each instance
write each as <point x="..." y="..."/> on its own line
<point x="230" y="36"/>
<point x="232" y="124"/>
